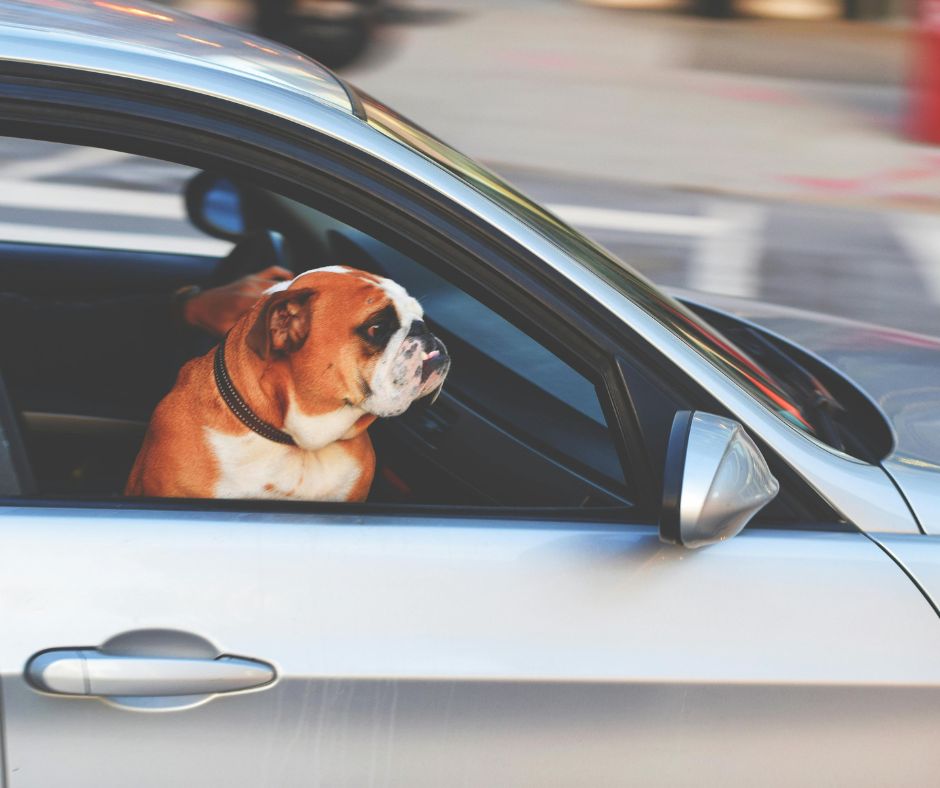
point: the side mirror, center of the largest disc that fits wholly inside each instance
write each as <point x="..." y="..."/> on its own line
<point x="715" y="480"/>
<point x="216" y="205"/>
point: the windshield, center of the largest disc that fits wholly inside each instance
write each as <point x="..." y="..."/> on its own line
<point x="720" y="351"/>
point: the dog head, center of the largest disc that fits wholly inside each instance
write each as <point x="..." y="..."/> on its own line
<point x="349" y="339"/>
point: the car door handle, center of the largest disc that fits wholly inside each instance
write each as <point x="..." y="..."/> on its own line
<point x="90" y="672"/>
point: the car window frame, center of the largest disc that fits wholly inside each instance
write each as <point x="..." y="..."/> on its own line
<point x="164" y="122"/>
<point x="83" y="123"/>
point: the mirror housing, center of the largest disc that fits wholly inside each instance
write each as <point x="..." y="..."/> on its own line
<point x="714" y="482"/>
<point x="217" y="206"/>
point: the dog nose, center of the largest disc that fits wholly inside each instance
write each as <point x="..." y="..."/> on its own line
<point x="418" y="329"/>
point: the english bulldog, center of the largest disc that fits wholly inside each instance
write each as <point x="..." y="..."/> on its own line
<point x="281" y="407"/>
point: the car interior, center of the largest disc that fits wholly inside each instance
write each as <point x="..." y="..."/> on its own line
<point x="515" y="425"/>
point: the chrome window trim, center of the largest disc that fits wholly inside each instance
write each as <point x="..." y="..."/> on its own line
<point x="864" y="494"/>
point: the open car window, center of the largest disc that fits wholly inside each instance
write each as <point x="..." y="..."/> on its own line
<point x="516" y="425"/>
<point x="499" y="369"/>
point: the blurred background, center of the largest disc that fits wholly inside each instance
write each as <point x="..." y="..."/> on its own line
<point x="772" y="149"/>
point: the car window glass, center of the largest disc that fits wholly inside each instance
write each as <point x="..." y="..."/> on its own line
<point x="502" y="365"/>
<point x="579" y="432"/>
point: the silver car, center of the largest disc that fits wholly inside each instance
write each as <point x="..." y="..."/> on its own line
<point x="550" y="584"/>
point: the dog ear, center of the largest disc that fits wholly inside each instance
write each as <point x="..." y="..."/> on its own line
<point x="282" y="324"/>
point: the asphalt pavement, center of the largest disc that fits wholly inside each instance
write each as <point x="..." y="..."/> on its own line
<point x="752" y="108"/>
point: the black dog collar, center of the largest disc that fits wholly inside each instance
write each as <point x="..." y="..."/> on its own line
<point x="237" y="405"/>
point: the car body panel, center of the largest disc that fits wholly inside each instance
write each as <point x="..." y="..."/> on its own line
<point x="898" y="370"/>
<point x="411" y="649"/>
<point x="920" y="556"/>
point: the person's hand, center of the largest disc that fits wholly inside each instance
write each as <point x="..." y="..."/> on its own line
<point x="216" y="310"/>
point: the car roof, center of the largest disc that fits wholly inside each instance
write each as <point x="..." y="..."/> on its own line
<point x="156" y="43"/>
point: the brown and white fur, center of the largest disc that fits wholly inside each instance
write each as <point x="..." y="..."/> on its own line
<point x="320" y="357"/>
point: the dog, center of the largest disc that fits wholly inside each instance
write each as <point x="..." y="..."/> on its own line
<point x="281" y="408"/>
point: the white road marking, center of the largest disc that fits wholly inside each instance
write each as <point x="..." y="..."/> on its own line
<point x="724" y="261"/>
<point x="57" y="164"/>
<point x="728" y="262"/>
<point x="107" y="239"/>
<point x="159" y="205"/>
<point x="91" y="199"/>
<point x="920" y="236"/>
<point x="640" y="221"/>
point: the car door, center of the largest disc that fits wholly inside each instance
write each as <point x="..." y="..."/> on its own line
<point x="180" y="643"/>
<point x="225" y="644"/>
<point x="420" y="650"/>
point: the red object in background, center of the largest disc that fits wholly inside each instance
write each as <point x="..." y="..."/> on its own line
<point x="924" y="119"/>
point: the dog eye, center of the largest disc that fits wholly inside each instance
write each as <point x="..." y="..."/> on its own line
<point x="377" y="329"/>
<point x="375" y="333"/>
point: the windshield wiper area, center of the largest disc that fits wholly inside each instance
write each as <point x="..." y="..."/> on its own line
<point x="816" y="401"/>
<point x="829" y="405"/>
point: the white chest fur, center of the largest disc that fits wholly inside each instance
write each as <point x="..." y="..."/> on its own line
<point x="253" y="467"/>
